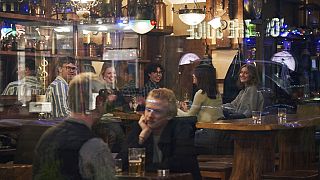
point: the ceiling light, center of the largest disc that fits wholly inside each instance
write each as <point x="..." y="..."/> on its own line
<point x="141" y="26"/>
<point x="84" y="4"/>
<point x="191" y="16"/>
<point x="143" y="20"/>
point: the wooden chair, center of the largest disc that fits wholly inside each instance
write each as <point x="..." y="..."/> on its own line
<point x="15" y="172"/>
<point x="218" y="170"/>
<point x="215" y="166"/>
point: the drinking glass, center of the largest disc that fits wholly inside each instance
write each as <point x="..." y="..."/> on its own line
<point x="256" y="117"/>
<point x="134" y="104"/>
<point x="282" y="115"/>
<point x="136" y="157"/>
<point x="118" y="165"/>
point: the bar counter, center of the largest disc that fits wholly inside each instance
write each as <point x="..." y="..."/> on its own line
<point x="254" y="144"/>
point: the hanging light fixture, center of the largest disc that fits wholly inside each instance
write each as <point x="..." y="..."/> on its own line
<point x="192" y="16"/>
<point x="144" y="19"/>
<point x="83" y="7"/>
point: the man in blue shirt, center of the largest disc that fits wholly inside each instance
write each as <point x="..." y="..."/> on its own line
<point x="57" y="91"/>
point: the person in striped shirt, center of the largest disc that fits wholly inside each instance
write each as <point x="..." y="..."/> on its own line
<point x="57" y="91"/>
<point x="27" y="83"/>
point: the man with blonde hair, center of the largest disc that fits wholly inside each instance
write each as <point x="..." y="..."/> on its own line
<point x="169" y="141"/>
<point x="71" y="150"/>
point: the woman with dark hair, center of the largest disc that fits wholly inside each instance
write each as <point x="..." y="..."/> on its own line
<point x="207" y="107"/>
<point x="248" y="99"/>
<point x="207" y="102"/>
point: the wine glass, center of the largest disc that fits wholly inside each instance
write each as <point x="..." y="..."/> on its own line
<point x="134" y="104"/>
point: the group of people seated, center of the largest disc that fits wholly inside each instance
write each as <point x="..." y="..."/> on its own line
<point x="71" y="150"/>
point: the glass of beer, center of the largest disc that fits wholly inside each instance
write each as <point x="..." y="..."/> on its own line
<point x="136" y="157"/>
<point x="282" y="115"/>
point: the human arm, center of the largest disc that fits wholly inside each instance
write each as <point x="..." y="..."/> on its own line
<point x="145" y="130"/>
<point x="246" y="102"/>
<point x="250" y="101"/>
<point x="198" y="99"/>
<point x="10" y="89"/>
<point x="95" y="160"/>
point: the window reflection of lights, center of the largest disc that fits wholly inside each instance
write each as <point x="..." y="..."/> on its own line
<point x="85" y="32"/>
<point x="103" y="28"/>
<point x="215" y="23"/>
<point x="62" y="29"/>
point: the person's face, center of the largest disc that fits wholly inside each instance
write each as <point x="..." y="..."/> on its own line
<point x="156" y="76"/>
<point x="155" y="113"/>
<point x="244" y="75"/>
<point x="194" y="79"/>
<point x="68" y="71"/>
<point x="110" y="75"/>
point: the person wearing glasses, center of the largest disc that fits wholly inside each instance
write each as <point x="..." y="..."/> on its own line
<point x="168" y="141"/>
<point x="57" y="91"/>
<point x="70" y="150"/>
<point x="154" y="73"/>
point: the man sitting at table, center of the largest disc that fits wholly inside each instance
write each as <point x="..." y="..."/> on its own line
<point x="169" y="142"/>
<point x="71" y="150"/>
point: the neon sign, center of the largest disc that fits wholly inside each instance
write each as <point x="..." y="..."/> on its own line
<point x="275" y="28"/>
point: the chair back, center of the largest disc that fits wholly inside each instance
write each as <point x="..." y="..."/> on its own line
<point x="27" y="141"/>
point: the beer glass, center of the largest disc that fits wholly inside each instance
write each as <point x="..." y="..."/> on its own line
<point x="256" y="117"/>
<point x="136" y="158"/>
<point x="118" y="165"/>
<point x="282" y="115"/>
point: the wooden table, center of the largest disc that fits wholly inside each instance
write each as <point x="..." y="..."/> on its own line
<point x="154" y="176"/>
<point x="254" y="144"/>
<point x="127" y="116"/>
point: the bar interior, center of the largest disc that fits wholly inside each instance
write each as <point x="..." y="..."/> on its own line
<point x="244" y="76"/>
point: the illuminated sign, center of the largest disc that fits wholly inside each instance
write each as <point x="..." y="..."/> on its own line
<point x="275" y="28"/>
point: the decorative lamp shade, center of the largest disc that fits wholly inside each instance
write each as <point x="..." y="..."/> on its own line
<point x="188" y="58"/>
<point x="191" y="16"/>
<point x="144" y="19"/>
<point x="84" y="4"/>
<point x="215" y="23"/>
<point x="141" y="26"/>
<point x="284" y="57"/>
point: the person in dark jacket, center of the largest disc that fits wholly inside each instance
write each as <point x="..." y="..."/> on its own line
<point x="169" y="142"/>
<point x="70" y="150"/>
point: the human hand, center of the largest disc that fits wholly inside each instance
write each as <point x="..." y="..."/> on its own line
<point x="183" y="106"/>
<point x="146" y="130"/>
